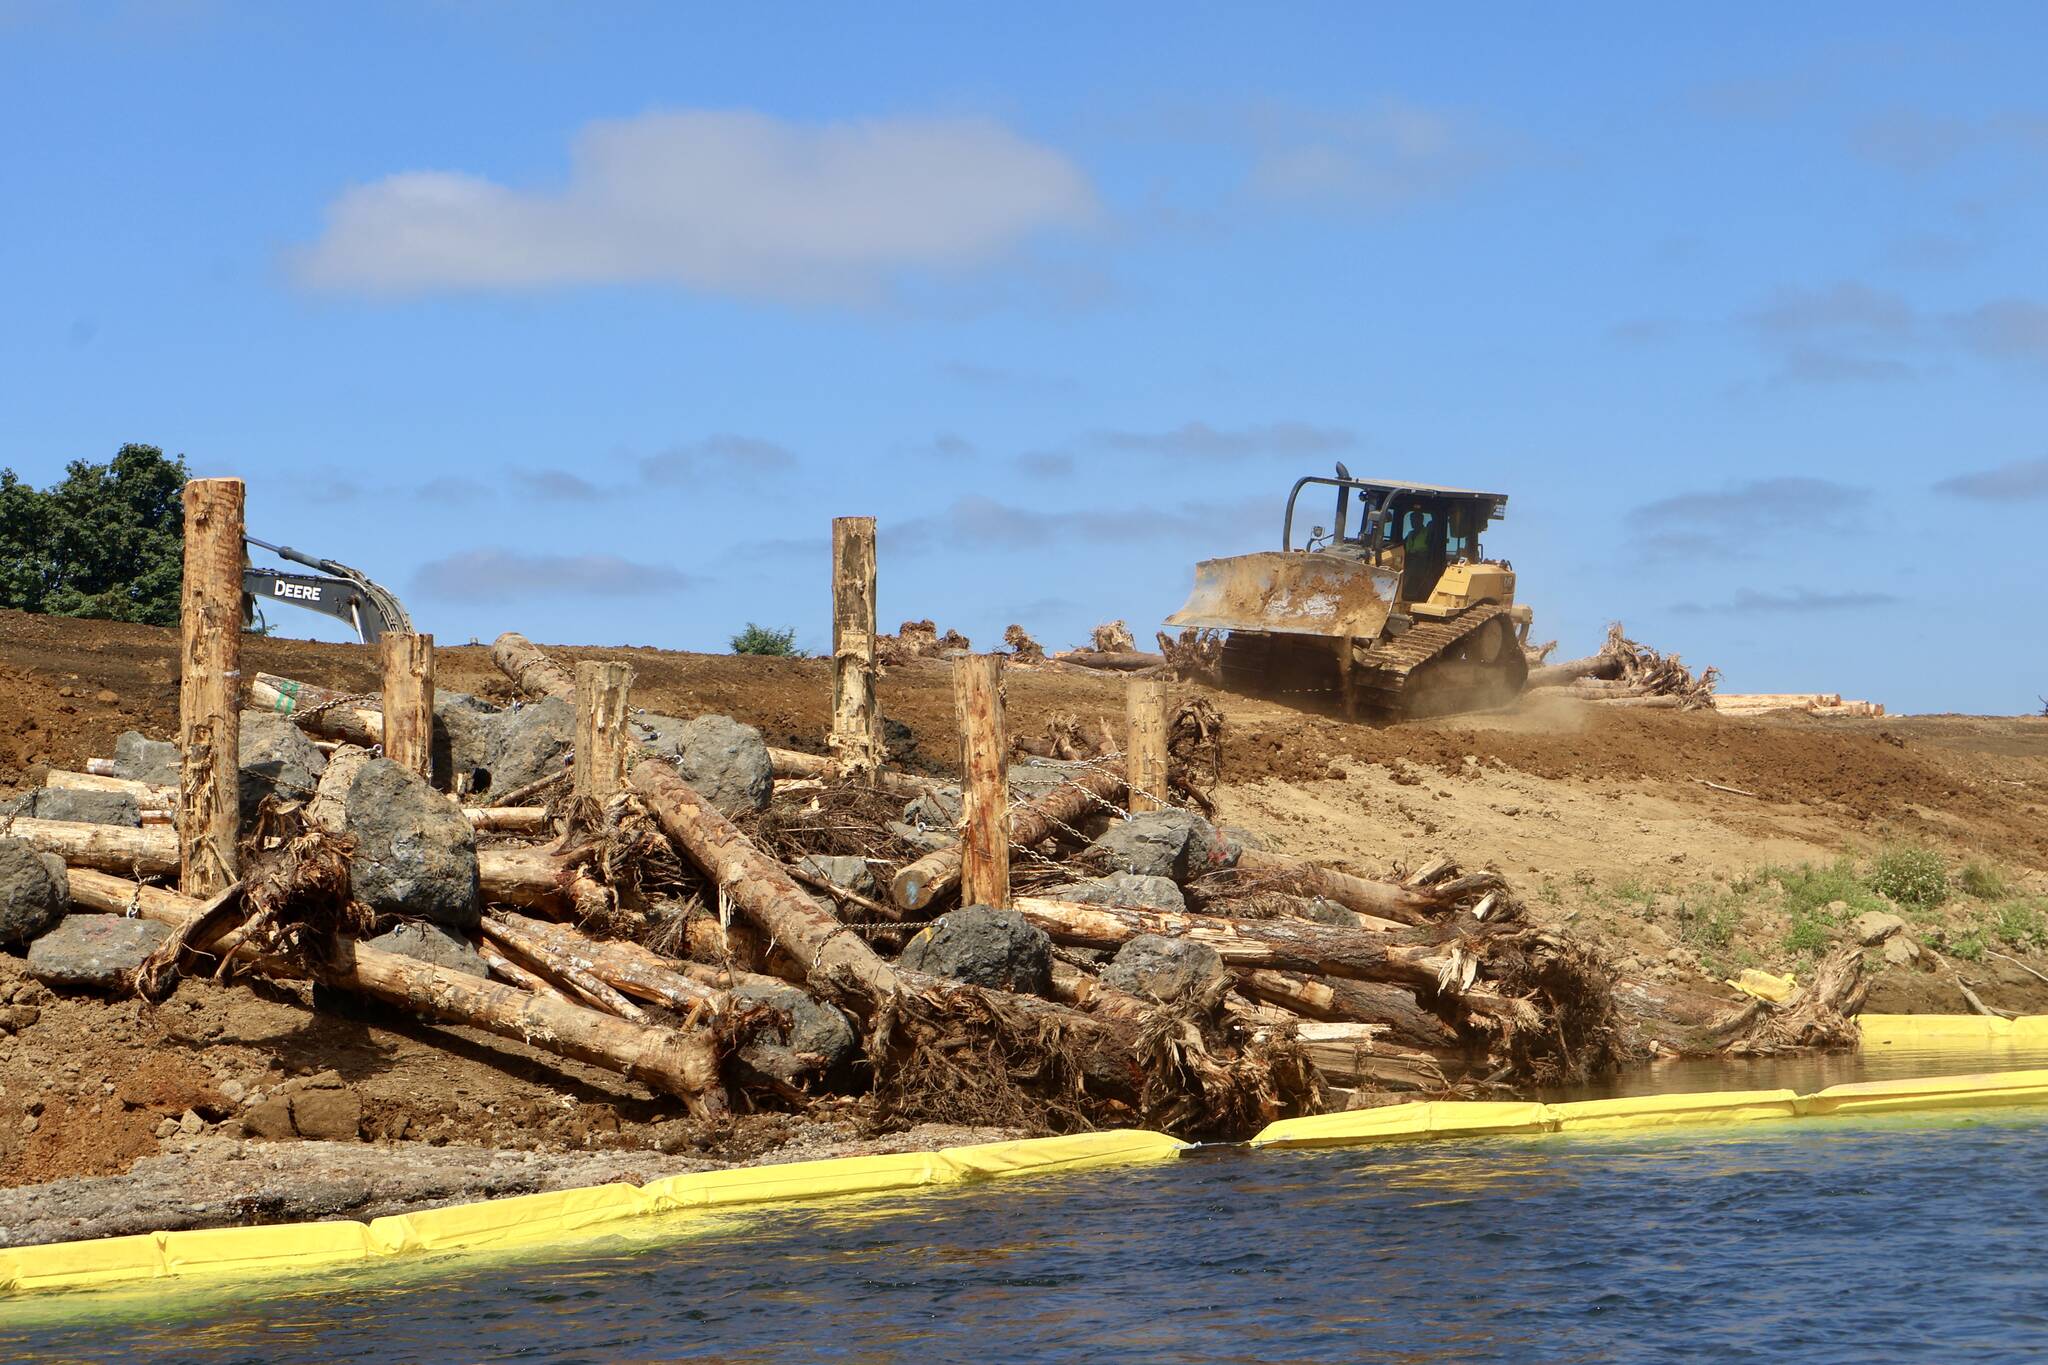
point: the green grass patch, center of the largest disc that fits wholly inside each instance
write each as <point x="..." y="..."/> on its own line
<point x="1912" y="877"/>
<point x="1982" y="880"/>
<point x="1810" y="889"/>
<point x="2020" y="924"/>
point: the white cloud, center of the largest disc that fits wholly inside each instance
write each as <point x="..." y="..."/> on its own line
<point x="1383" y="158"/>
<point x="733" y="202"/>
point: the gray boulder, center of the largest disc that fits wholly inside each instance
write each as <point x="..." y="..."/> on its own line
<point x="415" y="854"/>
<point x="277" y="759"/>
<point x="1124" y="888"/>
<point x="1164" y="843"/>
<point x="816" y="1037"/>
<point x="141" y="759"/>
<point x="984" y="947"/>
<point x="726" y="762"/>
<point x="925" y="840"/>
<point x="848" y="872"/>
<point x="89" y="807"/>
<point x="94" y="952"/>
<point x="1164" y="968"/>
<point x="935" y="808"/>
<point x="464" y="735"/>
<point x="34" y="893"/>
<point x="530" y="742"/>
<point x="425" y="942"/>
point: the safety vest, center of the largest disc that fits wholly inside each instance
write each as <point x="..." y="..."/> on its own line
<point x="1418" y="541"/>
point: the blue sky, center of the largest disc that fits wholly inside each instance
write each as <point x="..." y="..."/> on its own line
<point x="584" y="321"/>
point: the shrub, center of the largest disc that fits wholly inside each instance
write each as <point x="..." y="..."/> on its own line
<point x="1982" y="880"/>
<point x="1912" y="877"/>
<point x="765" y="640"/>
<point x="1810" y="890"/>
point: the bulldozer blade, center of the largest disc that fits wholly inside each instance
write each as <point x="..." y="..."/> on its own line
<point x="1290" y="594"/>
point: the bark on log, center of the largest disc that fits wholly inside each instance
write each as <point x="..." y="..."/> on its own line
<point x="1286" y="944"/>
<point x="530" y="669"/>
<point x="637" y="971"/>
<point x="918" y="884"/>
<point x="1364" y="1002"/>
<point x="565" y="970"/>
<point x="856" y="739"/>
<point x="676" y="1062"/>
<point x="835" y="961"/>
<point x="1383" y="901"/>
<point x="210" y="686"/>
<point x="985" y="781"/>
<point x="319" y="710"/>
<point x="151" y="851"/>
<point x="1557" y="675"/>
<point x="536" y="878"/>
<point x="513" y="974"/>
<point x="1145" y="743"/>
<point x="507" y="819"/>
<point x="408" y="665"/>
<point x="1351" y="1055"/>
<point x="604" y="744"/>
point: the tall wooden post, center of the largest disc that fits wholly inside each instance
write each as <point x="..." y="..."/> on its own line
<point x="409" y="701"/>
<point x="603" y="745"/>
<point x="856" y="740"/>
<point x="209" y="687"/>
<point x="1145" y="743"/>
<point x="985" y="786"/>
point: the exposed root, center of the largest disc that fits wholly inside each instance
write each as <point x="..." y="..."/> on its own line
<point x="1113" y="637"/>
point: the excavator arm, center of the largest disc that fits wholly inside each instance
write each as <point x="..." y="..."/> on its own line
<point x="346" y="594"/>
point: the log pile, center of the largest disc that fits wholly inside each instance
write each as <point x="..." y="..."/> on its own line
<point x="1807" y="703"/>
<point x="1627" y="673"/>
<point x="760" y="960"/>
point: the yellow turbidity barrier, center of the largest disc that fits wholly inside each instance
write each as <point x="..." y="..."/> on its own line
<point x="1440" y="1118"/>
<point x="538" y="1217"/>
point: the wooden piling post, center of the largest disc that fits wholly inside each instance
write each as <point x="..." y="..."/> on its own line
<point x="209" y="687"/>
<point x="985" y="786"/>
<point x="603" y="744"/>
<point x="1145" y="743"/>
<point x="856" y="740"/>
<point x="408" y="662"/>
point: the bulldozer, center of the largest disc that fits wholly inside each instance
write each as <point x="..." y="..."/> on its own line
<point x="1398" y="616"/>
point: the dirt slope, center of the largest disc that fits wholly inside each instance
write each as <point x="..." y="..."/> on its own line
<point x="1598" y="817"/>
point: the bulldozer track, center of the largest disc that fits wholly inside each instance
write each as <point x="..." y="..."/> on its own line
<point x="1390" y="680"/>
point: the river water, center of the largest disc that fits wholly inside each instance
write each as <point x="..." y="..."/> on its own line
<point x="1907" y="1238"/>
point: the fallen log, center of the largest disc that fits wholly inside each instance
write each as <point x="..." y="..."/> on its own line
<point x="530" y="669"/>
<point x="1335" y="999"/>
<point x="635" y="970"/>
<point x="565" y="970"/>
<point x="918" y="884"/>
<point x="1122" y="661"/>
<point x="508" y="819"/>
<point x="539" y="879"/>
<point x="1557" y="675"/>
<point x="1415" y="904"/>
<point x="516" y="975"/>
<point x="320" y="710"/>
<point x="1665" y="702"/>
<point x="1354" y="1055"/>
<point x="835" y="961"/>
<point x="1287" y="944"/>
<point x="151" y="851"/>
<point x="683" y="1063"/>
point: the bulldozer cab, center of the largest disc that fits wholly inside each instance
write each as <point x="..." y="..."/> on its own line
<point x="1414" y="530"/>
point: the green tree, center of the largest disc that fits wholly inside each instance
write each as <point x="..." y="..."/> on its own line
<point x="766" y="640"/>
<point x="107" y="541"/>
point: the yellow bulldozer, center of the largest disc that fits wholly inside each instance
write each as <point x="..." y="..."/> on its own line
<point x="1401" y="616"/>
